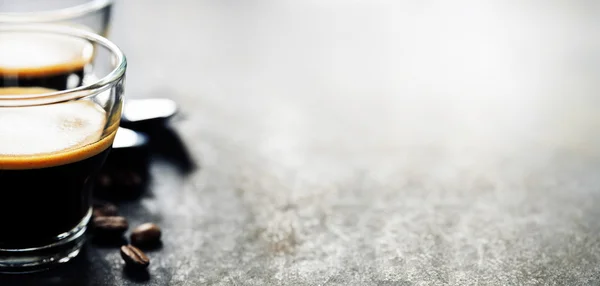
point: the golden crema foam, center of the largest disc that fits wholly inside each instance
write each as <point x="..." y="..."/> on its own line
<point x="50" y="135"/>
<point x="26" y="54"/>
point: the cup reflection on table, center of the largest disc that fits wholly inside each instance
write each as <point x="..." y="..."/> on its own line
<point x="61" y="96"/>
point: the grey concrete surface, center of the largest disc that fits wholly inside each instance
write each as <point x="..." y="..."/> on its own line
<point x="367" y="143"/>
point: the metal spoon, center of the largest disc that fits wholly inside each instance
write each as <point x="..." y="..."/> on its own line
<point x="147" y="111"/>
<point x="129" y="139"/>
<point x="140" y="115"/>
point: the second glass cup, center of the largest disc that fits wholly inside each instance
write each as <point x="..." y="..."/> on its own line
<point x="61" y="96"/>
<point x="94" y="15"/>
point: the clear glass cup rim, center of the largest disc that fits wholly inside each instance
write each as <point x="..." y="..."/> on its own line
<point x="56" y="14"/>
<point x="69" y="94"/>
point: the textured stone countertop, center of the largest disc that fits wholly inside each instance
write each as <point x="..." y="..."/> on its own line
<point x="365" y="143"/>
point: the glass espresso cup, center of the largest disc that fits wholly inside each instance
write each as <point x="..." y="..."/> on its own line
<point x="94" y="15"/>
<point x="61" y="96"/>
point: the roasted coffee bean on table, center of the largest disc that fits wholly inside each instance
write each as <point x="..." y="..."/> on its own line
<point x="134" y="257"/>
<point x="146" y="234"/>
<point x="104" y="209"/>
<point x="110" y="225"/>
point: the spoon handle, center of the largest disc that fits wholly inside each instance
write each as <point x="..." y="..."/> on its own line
<point x="147" y="113"/>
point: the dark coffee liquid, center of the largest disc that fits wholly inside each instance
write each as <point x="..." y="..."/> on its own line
<point x="49" y="155"/>
<point x="66" y="78"/>
<point x="38" y="204"/>
<point x="49" y="158"/>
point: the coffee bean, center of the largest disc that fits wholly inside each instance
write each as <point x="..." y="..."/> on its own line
<point x="146" y="234"/>
<point x="134" y="257"/>
<point x="104" y="209"/>
<point x="110" y="225"/>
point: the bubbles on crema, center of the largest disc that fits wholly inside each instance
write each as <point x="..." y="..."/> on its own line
<point x="33" y="53"/>
<point x="50" y="128"/>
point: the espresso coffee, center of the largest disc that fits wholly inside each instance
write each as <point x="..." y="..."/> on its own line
<point x="49" y="156"/>
<point x="60" y="65"/>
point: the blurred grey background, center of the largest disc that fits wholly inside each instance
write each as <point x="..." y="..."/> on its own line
<point x="371" y="142"/>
